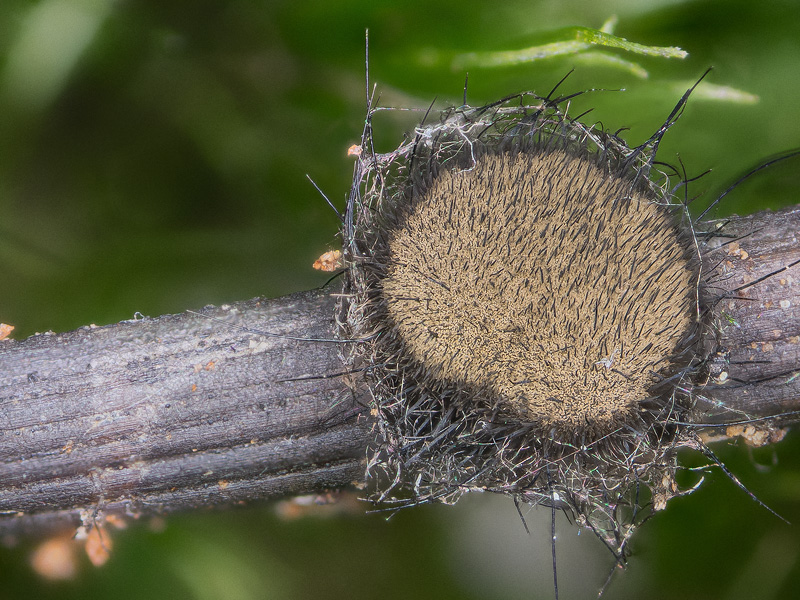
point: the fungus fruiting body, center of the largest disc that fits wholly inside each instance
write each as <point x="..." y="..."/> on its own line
<point x="525" y="289"/>
<point x="543" y="281"/>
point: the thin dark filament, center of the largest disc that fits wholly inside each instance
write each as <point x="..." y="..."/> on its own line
<point x="713" y="457"/>
<point x="331" y="375"/>
<point x="521" y="516"/>
<point x="767" y="276"/>
<point x="321" y="193"/>
<point x="655" y="139"/>
<point x="793" y="413"/>
<point x="743" y="178"/>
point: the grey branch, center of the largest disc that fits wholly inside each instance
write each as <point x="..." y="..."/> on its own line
<point x="752" y="269"/>
<point x="177" y="412"/>
<point x="249" y="401"/>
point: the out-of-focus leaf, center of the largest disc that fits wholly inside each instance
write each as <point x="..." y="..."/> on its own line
<point x="582" y="39"/>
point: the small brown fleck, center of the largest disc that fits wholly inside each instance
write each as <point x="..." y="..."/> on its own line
<point x="55" y="558"/>
<point x="767" y="347"/>
<point x="98" y="545"/>
<point x="117" y="521"/>
<point x="757" y="435"/>
<point x="210" y="365"/>
<point x="329" y="261"/>
<point x="319" y="505"/>
<point x="5" y="330"/>
<point x="222" y="483"/>
<point x="735" y="250"/>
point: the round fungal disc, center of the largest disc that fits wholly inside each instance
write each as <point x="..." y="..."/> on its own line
<point x="543" y="283"/>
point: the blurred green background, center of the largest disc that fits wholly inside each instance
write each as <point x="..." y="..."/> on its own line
<point x="153" y="159"/>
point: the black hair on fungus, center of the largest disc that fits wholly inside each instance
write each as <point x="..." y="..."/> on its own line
<point x="525" y="289"/>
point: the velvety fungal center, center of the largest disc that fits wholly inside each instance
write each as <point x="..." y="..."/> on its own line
<point x="543" y="281"/>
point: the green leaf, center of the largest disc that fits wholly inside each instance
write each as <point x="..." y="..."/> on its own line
<point x="583" y="38"/>
<point x="600" y="38"/>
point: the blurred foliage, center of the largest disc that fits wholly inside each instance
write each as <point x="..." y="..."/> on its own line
<point x="152" y="159"/>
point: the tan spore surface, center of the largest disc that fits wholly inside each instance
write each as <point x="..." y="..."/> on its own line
<point x="544" y="279"/>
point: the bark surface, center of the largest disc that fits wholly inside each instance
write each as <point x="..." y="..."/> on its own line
<point x="177" y="412"/>
<point x="752" y="268"/>
<point x="222" y="406"/>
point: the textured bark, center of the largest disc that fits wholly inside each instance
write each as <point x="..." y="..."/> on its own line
<point x="752" y="269"/>
<point x="192" y="410"/>
<point x="174" y="413"/>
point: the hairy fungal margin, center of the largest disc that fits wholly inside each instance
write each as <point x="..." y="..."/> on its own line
<point x="525" y="291"/>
